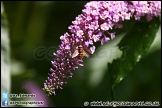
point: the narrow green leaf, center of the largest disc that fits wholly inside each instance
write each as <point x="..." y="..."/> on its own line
<point x="5" y="53"/>
<point x="134" y="45"/>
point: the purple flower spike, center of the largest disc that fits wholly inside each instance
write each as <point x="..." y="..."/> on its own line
<point x="91" y="26"/>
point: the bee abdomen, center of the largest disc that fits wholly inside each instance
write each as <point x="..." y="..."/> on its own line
<point x="80" y="56"/>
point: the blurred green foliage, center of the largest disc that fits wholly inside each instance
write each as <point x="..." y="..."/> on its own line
<point x="37" y="25"/>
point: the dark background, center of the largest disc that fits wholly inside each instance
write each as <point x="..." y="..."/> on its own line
<point x="34" y="31"/>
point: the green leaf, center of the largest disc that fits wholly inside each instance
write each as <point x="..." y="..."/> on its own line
<point x="5" y="54"/>
<point x="134" y="45"/>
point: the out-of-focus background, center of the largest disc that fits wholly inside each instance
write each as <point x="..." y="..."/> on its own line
<point x="33" y="31"/>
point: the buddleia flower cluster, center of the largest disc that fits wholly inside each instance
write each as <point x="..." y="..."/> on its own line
<point x="98" y="18"/>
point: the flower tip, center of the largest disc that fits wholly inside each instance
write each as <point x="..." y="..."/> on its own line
<point x="67" y="47"/>
<point x="92" y="49"/>
<point x="81" y="64"/>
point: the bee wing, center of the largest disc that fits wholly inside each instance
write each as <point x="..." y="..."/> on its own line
<point x="86" y="54"/>
<point x="88" y="51"/>
<point x="75" y="53"/>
